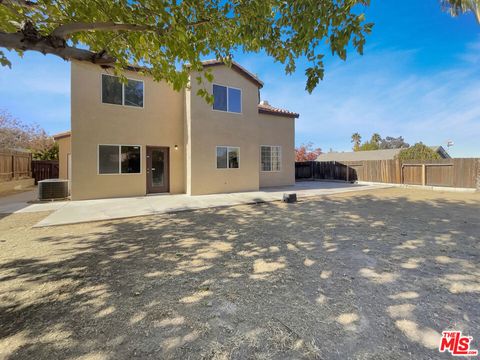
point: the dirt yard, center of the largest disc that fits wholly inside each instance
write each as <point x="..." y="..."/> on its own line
<point x="367" y="275"/>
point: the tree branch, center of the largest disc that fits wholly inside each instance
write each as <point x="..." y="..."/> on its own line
<point x="64" y="30"/>
<point x="30" y="39"/>
<point x="47" y="45"/>
<point x="23" y="3"/>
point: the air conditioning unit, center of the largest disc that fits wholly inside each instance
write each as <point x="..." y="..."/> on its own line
<point x="52" y="189"/>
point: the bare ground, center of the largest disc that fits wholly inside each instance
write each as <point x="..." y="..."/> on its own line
<point x="374" y="275"/>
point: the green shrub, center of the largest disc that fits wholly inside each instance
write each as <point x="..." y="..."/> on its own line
<point x="419" y="151"/>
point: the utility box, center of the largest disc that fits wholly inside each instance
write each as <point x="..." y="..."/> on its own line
<point x="52" y="189"/>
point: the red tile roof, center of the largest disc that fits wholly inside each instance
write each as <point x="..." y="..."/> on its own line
<point x="265" y="108"/>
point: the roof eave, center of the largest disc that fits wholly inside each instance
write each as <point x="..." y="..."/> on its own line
<point x="62" y="135"/>
<point x="278" y="113"/>
<point x="238" y="68"/>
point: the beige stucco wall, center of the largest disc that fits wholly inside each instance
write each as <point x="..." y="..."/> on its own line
<point x="64" y="148"/>
<point x="211" y="128"/>
<point x="159" y="123"/>
<point x="172" y="118"/>
<point x="278" y="131"/>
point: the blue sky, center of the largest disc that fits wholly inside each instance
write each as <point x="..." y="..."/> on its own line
<point x="419" y="78"/>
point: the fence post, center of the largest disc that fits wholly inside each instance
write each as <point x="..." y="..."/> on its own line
<point x="424" y="175"/>
<point x="398" y="172"/>
<point x="478" y="175"/>
<point x="13" y="166"/>
<point x="30" y="158"/>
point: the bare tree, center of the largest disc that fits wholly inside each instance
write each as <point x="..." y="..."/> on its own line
<point x="15" y="134"/>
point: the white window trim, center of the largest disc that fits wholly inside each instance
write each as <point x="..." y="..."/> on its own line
<point x="228" y="161"/>
<point x="279" y="158"/>
<point x="119" y="160"/>
<point x="123" y="93"/>
<point x="241" y="100"/>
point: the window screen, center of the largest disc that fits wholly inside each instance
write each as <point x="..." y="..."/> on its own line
<point x="111" y="90"/>
<point x="234" y="100"/>
<point x="266" y="157"/>
<point x="270" y="158"/>
<point x="222" y="162"/>
<point x="220" y="97"/>
<point x="134" y="93"/>
<point x="108" y="157"/>
<point x="276" y="158"/>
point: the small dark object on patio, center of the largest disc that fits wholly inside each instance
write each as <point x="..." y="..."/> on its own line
<point x="289" y="198"/>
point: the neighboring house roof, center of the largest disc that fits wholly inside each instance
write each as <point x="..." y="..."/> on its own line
<point x="62" y="135"/>
<point x="386" y="154"/>
<point x="265" y="108"/>
<point x="238" y="68"/>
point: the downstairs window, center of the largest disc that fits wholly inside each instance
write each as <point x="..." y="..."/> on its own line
<point x="228" y="157"/>
<point x="119" y="159"/>
<point x="270" y="158"/>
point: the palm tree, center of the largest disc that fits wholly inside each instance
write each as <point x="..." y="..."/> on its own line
<point x="376" y="138"/>
<point x="356" y="140"/>
<point x="456" y="7"/>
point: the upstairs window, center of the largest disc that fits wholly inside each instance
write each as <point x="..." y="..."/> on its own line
<point x="220" y="98"/>
<point x="227" y="99"/>
<point x="117" y="93"/>
<point x="133" y="93"/>
<point x="111" y="90"/>
<point x="270" y="158"/>
<point x="234" y="100"/>
<point x="228" y="157"/>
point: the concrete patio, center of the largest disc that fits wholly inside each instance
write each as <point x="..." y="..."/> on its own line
<point x="72" y="212"/>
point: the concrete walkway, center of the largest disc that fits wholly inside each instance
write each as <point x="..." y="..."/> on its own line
<point x="22" y="202"/>
<point x="71" y="212"/>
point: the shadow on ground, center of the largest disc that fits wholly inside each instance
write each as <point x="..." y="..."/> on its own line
<point x="340" y="277"/>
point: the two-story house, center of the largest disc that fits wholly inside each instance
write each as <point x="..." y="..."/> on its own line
<point x="141" y="137"/>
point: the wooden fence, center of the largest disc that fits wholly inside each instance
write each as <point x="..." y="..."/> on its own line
<point x="460" y="173"/>
<point x="15" y="165"/>
<point x="45" y="169"/>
